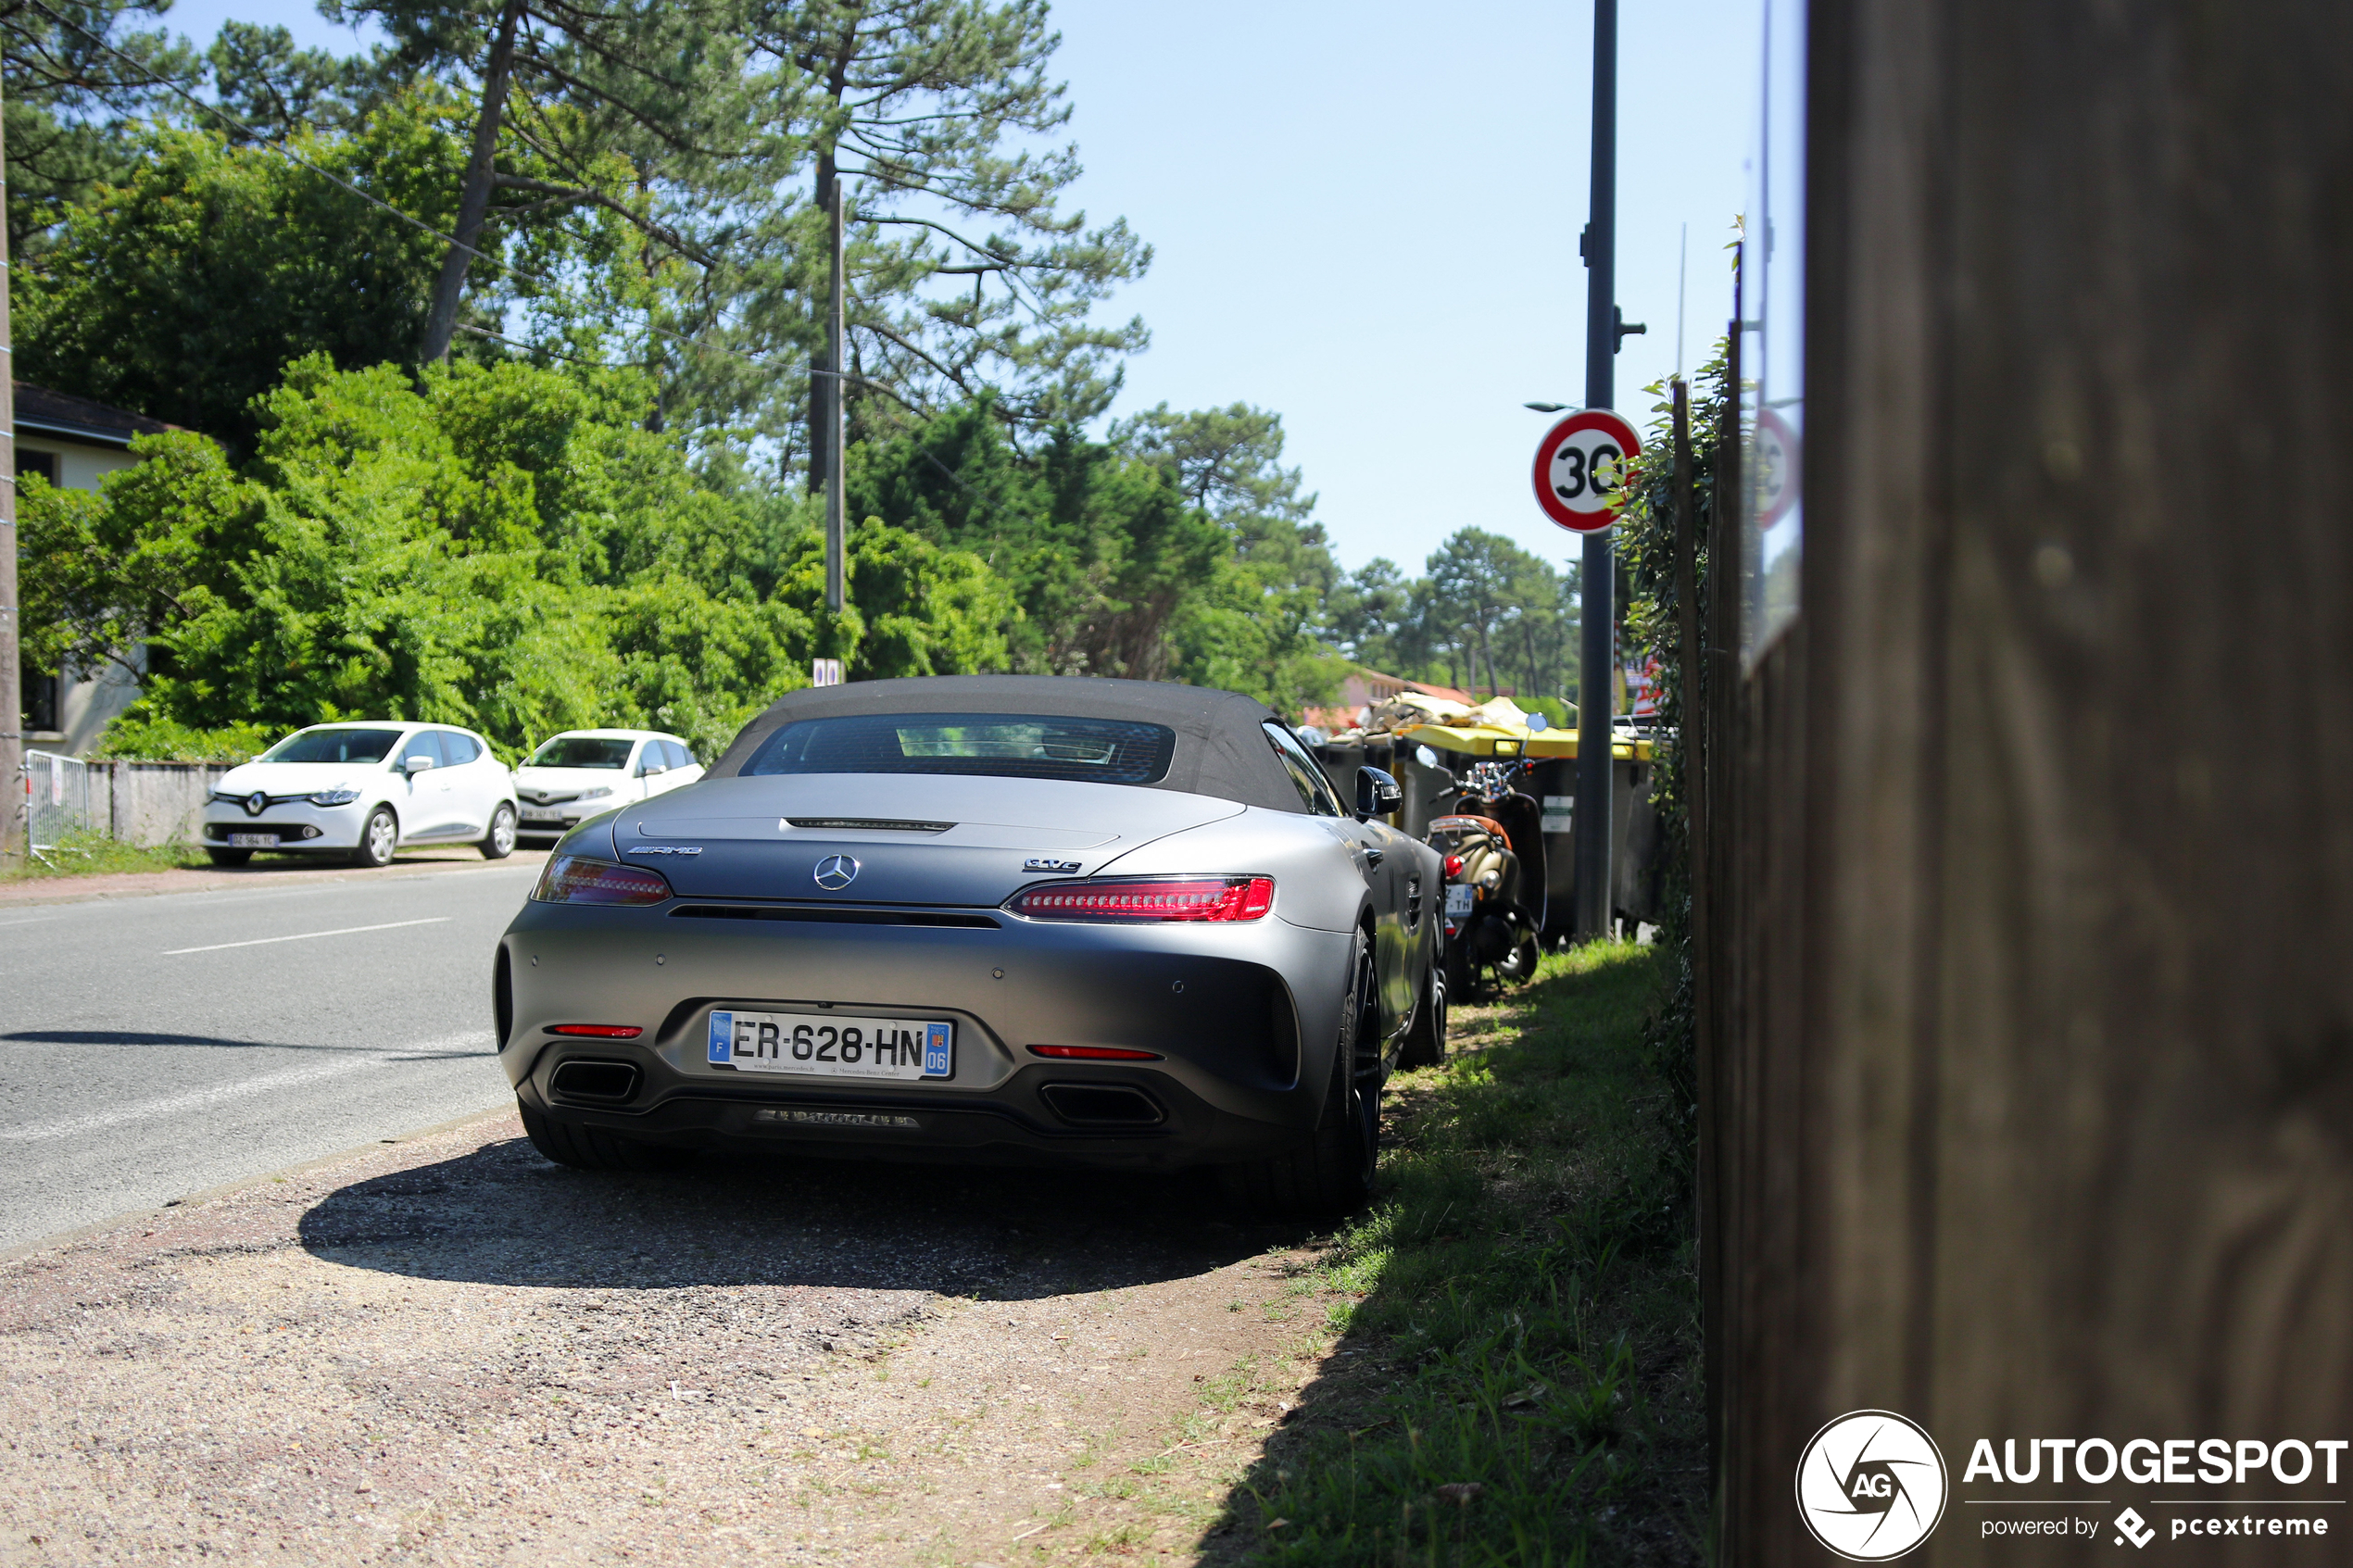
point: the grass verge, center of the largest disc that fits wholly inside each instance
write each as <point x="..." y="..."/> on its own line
<point x="1514" y="1377"/>
<point x="94" y="854"/>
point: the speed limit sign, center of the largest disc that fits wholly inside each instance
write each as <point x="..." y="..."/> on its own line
<point x="1579" y="468"/>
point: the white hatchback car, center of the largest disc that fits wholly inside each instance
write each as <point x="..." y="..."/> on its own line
<point x="584" y="773"/>
<point x="363" y="790"/>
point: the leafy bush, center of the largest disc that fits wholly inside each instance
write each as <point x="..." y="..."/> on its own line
<point x="140" y="737"/>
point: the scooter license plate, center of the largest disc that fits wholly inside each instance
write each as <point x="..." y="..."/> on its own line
<point x="1460" y="898"/>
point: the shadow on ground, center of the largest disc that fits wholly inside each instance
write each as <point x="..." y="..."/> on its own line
<point x="1518" y="1379"/>
<point x="503" y="1215"/>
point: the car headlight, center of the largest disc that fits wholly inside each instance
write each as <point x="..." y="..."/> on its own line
<point x="597" y="794"/>
<point x="575" y="879"/>
<point x="334" y="798"/>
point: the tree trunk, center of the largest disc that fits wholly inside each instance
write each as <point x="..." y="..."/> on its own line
<point x="473" y="201"/>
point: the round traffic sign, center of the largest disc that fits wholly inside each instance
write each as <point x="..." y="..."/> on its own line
<point x="1579" y="466"/>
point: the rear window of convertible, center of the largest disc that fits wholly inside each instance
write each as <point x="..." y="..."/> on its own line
<point x="1012" y="746"/>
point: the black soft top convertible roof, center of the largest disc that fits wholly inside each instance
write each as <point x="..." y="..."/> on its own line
<point x="1220" y="749"/>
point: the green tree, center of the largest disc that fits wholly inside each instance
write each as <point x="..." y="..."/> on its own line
<point x="502" y="547"/>
<point x="185" y="291"/>
<point x="77" y="80"/>
<point x="936" y="110"/>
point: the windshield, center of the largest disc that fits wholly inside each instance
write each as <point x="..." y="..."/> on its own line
<point x="332" y="746"/>
<point x="1012" y="746"/>
<point x="582" y="751"/>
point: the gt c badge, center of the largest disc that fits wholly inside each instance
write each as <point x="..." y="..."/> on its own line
<point x="835" y="872"/>
<point x="1040" y="863"/>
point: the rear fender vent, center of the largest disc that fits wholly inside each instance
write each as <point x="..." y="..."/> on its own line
<point x="605" y="1082"/>
<point x="1102" y="1105"/>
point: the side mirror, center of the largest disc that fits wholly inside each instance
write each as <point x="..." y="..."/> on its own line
<point x="647" y="769"/>
<point x="1425" y="757"/>
<point x="1538" y="723"/>
<point x="1377" y="794"/>
<point x="412" y="766"/>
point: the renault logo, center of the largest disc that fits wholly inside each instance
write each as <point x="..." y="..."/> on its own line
<point x="256" y="803"/>
<point x="835" y="872"/>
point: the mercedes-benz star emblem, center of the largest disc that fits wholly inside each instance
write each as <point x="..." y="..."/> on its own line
<point x="256" y="803"/>
<point x="835" y="872"/>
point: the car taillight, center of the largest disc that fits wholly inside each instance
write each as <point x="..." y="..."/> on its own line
<point x="1454" y="865"/>
<point x="597" y="1030"/>
<point x="575" y="879"/>
<point x="1147" y="898"/>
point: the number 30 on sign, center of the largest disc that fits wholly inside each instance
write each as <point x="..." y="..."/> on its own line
<point x="1579" y="468"/>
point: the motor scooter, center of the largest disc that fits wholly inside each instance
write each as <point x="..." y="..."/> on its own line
<point x="1492" y="842"/>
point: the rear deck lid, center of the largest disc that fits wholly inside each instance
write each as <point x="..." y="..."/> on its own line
<point x="915" y="839"/>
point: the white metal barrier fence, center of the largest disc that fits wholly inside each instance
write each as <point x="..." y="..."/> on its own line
<point x="57" y="800"/>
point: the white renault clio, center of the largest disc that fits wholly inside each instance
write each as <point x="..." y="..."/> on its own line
<point x="361" y="791"/>
<point x="584" y="773"/>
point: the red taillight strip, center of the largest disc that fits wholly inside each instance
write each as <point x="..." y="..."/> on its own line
<point x="597" y="1030"/>
<point x="1093" y="1053"/>
<point x="1114" y="899"/>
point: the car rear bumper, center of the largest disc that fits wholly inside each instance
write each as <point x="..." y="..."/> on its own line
<point x="1242" y="1023"/>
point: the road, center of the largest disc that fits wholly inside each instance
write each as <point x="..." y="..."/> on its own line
<point x="154" y="1047"/>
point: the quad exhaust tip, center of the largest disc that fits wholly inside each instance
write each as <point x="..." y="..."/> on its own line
<point x="1103" y="1105"/>
<point x="605" y="1081"/>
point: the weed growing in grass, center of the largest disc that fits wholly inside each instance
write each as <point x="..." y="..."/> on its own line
<point x="87" y="853"/>
<point x="1523" y="1304"/>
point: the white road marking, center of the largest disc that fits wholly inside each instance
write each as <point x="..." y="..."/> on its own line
<point x="307" y="936"/>
<point x="196" y="1099"/>
<point x="42" y="921"/>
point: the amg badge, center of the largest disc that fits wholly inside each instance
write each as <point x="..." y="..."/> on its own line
<point x="1040" y="863"/>
<point x="663" y="850"/>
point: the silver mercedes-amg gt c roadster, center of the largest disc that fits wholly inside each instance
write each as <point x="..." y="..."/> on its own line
<point x="1012" y="919"/>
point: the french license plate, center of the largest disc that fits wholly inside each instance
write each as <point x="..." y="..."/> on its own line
<point x="827" y="1045"/>
<point x="1459" y="899"/>
<point x="539" y="814"/>
<point x="253" y="841"/>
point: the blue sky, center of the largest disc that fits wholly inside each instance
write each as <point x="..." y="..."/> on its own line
<point x="1366" y="216"/>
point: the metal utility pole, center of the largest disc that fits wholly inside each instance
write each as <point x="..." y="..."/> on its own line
<point x="1595" y="681"/>
<point x="13" y="822"/>
<point x="836" y="360"/>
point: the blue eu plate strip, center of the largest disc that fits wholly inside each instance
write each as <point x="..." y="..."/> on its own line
<point x="723" y="1030"/>
<point x="935" y="1050"/>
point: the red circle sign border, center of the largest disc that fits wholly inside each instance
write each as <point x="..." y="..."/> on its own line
<point x="1584" y="419"/>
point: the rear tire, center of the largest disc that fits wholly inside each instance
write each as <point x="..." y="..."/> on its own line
<point x="378" y="840"/>
<point x="1332" y="1172"/>
<point x="591" y="1149"/>
<point x="499" y="842"/>
<point x="1424" y="1043"/>
<point x="229" y="857"/>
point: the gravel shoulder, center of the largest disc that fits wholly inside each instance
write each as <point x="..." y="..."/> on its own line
<point x="446" y="1350"/>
